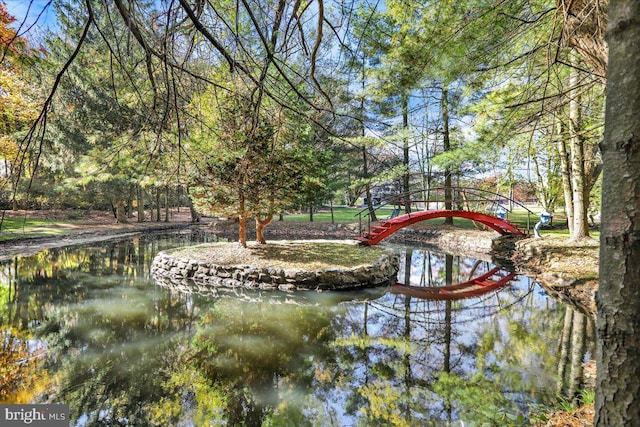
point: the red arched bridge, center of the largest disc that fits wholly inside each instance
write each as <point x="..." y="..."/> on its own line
<point x="470" y="204"/>
<point x="492" y="280"/>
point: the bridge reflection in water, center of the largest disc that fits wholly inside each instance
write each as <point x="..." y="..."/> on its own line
<point x="493" y="280"/>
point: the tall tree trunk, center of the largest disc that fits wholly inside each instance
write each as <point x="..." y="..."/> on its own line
<point x="331" y="210"/>
<point x="365" y="175"/>
<point x="565" y="173"/>
<point x="365" y="166"/>
<point x="242" y="220"/>
<point x="260" y="225"/>
<point x="405" y="155"/>
<point x="446" y="146"/>
<point x="132" y="195"/>
<point x="158" y="208"/>
<point x="580" y="227"/>
<point x="166" y="203"/>
<point x="140" y="203"/>
<point x="618" y="296"/>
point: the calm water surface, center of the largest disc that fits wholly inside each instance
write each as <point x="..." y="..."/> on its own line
<point x="88" y="327"/>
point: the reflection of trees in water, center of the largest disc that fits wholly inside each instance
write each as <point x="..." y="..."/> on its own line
<point x="120" y="348"/>
<point x="237" y="365"/>
<point x="72" y="274"/>
<point x="404" y="360"/>
<point x="125" y="351"/>
<point x="111" y="362"/>
<point x="89" y="313"/>
<point x="262" y="357"/>
<point x="573" y="349"/>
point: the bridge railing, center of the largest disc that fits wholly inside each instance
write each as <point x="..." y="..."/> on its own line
<point x="461" y="198"/>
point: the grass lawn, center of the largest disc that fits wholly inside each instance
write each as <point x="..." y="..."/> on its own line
<point x="518" y="216"/>
<point x="558" y="227"/>
<point x="13" y="228"/>
<point x="340" y="214"/>
<point x="303" y="254"/>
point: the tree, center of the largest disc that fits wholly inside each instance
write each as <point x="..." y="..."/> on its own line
<point x="245" y="162"/>
<point x="106" y="140"/>
<point x="618" y="297"/>
<point x="19" y="103"/>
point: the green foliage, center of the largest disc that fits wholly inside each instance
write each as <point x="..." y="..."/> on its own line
<point x="247" y="159"/>
<point x="478" y="401"/>
<point x="206" y="405"/>
<point x="384" y="405"/>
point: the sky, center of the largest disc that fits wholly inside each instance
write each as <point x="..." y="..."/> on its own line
<point x="32" y="16"/>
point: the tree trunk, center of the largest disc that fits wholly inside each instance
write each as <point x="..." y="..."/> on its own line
<point x="195" y="216"/>
<point x="446" y="146"/>
<point x="166" y="204"/>
<point x="121" y="214"/>
<point x="618" y="297"/>
<point x="242" y="220"/>
<point x="405" y="156"/>
<point x="260" y="225"/>
<point x="140" y="202"/>
<point x="132" y="194"/>
<point x="331" y="209"/>
<point x="242" y="230"/>
<point x="365" y="166"/>
<point x="365" y="175"/>
<point x="565" y="172"/>
<point x="580" y="227"/>
<point x="158" y="207"/>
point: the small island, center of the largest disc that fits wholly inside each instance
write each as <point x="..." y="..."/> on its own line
<point x="280" y="265"/>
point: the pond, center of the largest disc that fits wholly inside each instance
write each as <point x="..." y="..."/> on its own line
<point x="87" y="326"/>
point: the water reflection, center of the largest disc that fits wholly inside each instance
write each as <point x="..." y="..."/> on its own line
<point x="87" y="327"/>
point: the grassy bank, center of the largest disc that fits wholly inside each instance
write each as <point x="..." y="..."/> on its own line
<point x="519" y="217"/>
<point x="283" y="254"/>
<point x="17" y="228"/>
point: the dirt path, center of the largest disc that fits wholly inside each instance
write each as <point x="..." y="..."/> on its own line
<point x="94" y="227"/>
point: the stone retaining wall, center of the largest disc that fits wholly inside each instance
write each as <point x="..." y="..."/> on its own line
<point x="382" y="272"/>
<point x="471" y="242"/>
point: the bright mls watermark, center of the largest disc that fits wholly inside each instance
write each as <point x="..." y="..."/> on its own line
<point x="53" y="415"/>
